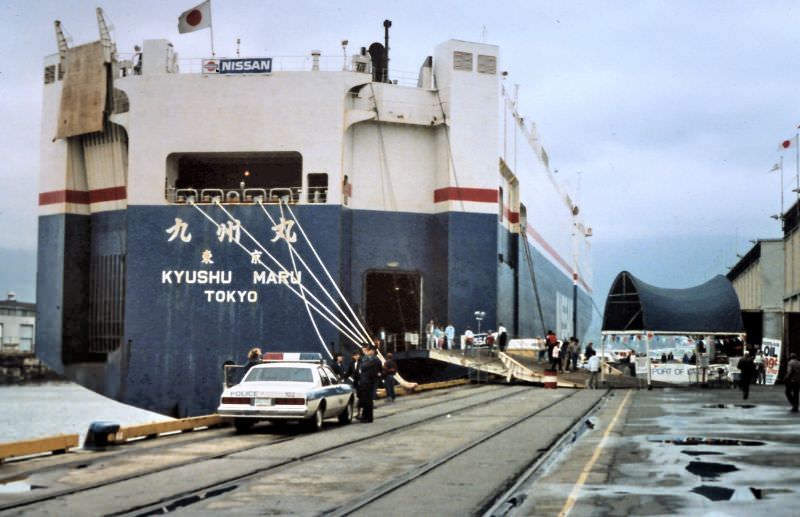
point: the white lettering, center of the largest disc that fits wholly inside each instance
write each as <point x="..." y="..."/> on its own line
<point x="259" y="277"/>
<point x="272" y="278"/>
<point x="196" y="277"/>
<point x="231" y="296"/>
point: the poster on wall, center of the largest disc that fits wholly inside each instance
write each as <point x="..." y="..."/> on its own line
<point x="772" y="359"/>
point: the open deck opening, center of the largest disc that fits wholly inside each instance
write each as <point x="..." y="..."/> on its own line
<point x="234" y="177"/>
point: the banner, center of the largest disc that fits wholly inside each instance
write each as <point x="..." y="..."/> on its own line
<point x="771" y="349"/>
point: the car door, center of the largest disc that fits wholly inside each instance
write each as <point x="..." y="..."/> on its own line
<point x="337" y="394"/>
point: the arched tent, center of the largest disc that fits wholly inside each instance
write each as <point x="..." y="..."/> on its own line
<point x="636" y="306"/>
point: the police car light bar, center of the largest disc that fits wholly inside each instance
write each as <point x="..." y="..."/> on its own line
<point x="305" y="357"/>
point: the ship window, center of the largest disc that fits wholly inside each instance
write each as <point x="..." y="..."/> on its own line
<point x="234" y="177"/>
<point x="49" y="74"/>
<point x="462" y="61"/>
<point x="487" y="64"/>
<point x="317" y="187"/>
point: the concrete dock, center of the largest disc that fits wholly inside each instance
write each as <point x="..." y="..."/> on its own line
<point x="468" y="450"/>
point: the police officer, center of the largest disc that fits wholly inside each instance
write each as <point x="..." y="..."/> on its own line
<point x="369" y="369"/>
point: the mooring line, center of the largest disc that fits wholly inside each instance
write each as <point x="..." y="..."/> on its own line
<point x="353" y="327"/>
<point x="293" y="290"/>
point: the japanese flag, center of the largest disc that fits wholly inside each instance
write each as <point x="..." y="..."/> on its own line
<point x="196" y="18"/>
<point x="787" y="144"/>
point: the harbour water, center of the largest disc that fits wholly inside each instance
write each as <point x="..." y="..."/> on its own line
<point x="38" y="410"/>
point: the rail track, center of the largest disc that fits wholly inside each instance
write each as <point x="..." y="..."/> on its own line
<point x="414" y="439"/>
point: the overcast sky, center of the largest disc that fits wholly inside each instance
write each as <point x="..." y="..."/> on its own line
<point x="672" y="111"/>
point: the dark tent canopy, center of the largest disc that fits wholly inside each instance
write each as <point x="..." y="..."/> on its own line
<point x="709" y="308"/>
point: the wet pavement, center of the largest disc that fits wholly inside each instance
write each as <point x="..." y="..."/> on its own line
<point x="679" y="451"/>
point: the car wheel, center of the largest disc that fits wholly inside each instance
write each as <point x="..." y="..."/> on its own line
<point x="346" y="416"/>
<point x="243" y="424"/>
<point x="315" y="424"/>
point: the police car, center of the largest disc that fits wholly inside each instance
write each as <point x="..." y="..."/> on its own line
<point x="288" y="387"/>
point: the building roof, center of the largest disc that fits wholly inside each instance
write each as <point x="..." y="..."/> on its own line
<point x="14" y="304"/>
<point x="749" y="258"/>
<point x="709" y="308"/>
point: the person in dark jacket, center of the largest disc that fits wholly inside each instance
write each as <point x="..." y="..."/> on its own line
<point x="369" y="369"/>
<point x="748" y="371"/>
<point x="253" y="358"/>
<point x="389" y="370"/>
<point x="792" y="381"/>
<point x="338" y="366"/>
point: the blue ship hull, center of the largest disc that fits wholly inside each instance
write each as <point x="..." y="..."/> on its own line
<point x="170" y="333"/>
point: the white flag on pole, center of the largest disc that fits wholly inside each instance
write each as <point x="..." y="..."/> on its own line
<point x="196" y="18"/>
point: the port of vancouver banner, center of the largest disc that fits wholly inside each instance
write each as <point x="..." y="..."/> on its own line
<point x="256" y="65"/>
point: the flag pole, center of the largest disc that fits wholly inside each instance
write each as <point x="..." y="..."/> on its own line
<point x="781" y="166"/>
<point x="211" y="29"/>
<point x="213" y="54"/>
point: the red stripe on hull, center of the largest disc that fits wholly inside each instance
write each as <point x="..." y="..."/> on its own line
<point x="480" y="195"/>
<point x="553" y="253"/>
<point x="81" y="197"/>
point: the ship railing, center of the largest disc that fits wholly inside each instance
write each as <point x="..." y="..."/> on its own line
<point x="245" y="195"/>
<point x="331" y="63"/>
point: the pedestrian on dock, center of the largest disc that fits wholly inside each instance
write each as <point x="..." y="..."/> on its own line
<point x="369" y="369"/>
<point x="253" y="358"/>
<point x="502" y="338"/>
<point x="555" y="361"/>
<point x="747" y="371"/>
<point x="389" y="370"/>
<point x="469" y="338"/>
<point x="574" y="350"/>
<point x="429" y="329"/>
<point x="792" y="381"/>
<point x="594" y="370"/>
<point x="450" y="333"/>
<point x="551" y="342"/>
<point x="590" y="351"/>
<point x="760" y="372"/>
<point x="338" y="366"/>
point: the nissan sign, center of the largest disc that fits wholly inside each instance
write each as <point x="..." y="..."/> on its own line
<point x="256" y="65"/>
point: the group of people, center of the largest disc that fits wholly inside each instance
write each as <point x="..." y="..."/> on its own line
<point x="438" y="337"/>
<point x="364" y="372"/>
<point x="564" y="356"/>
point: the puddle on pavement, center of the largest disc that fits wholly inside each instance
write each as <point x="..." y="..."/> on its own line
<point x="721" y="493"/>
<point x="708" y="470"/>
<point x="702" y="453"/>
<point x="729" y="406"/>
<point x="702" y="440"/>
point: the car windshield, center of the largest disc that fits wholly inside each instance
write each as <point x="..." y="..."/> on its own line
<point x="280" y="373"/>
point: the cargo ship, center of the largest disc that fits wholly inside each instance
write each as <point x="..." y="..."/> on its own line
<point x="190" y="209"/>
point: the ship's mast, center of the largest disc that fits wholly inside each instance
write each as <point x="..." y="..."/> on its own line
<point x="62" y="42"/>
<point x="109" y="48"/>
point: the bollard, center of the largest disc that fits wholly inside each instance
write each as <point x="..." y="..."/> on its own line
<point x="98" y="434"/>
<point x="550" y="379"/>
